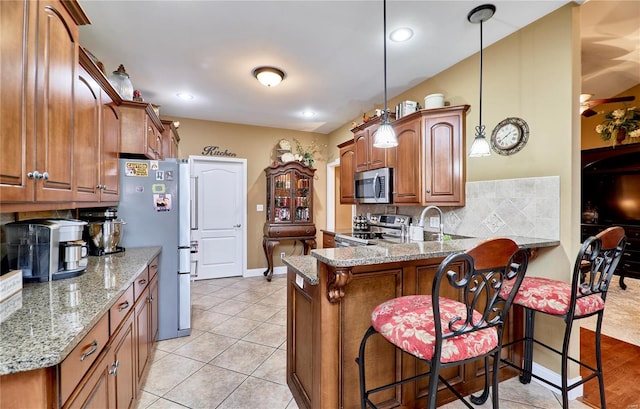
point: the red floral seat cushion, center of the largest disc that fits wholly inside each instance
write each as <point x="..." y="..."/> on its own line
<point x="551" y="297"/>
<point x="407" y="322"/>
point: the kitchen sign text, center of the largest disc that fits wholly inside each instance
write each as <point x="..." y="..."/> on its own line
<point x="215" y="151"/>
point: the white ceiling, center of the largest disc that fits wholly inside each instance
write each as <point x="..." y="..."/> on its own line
<point x="331" y="51"/>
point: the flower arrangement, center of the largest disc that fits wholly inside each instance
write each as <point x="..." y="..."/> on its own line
<point x="306" y="153"/>
<point x="619" y="124"/>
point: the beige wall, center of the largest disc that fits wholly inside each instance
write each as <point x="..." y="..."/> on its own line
<point x="533" y="74"/>
<point x="590" y="138"/>
<point x="257" y="145"/>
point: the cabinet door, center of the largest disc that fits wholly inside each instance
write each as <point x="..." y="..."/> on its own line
<point x="110" y="148"/>
<point x="153" y="305"/>
<point x="361" y="142"/>
<point x="57" y="61"/>
<point x="17" y="150"/>
<point x="141" y="328"/>
<point x="443" y="160"/>
<point x="97" y="392"/>
<point x="86" y="143"/>
<point x="123" y="361"/>
<point x="377" y="156"/>
<point x="407" y="170"/>
<point x="347" y="169"/>
<point x="302" y="198"/>
<point x="152" y="139"/>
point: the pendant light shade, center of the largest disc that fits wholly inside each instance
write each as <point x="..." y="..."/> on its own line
<point x="480" y="146"/>
<point x="385" y="137"/>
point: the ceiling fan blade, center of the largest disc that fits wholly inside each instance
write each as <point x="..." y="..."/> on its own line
<point x="588" y="112"/>
<point x="592" y="102"/>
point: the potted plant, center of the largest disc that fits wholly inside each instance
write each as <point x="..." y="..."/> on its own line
<point x="620" y="124"/>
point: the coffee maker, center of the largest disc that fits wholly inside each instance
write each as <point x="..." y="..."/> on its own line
<point x="46" y="249"/>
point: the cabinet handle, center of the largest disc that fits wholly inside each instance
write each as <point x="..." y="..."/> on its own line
<point x="142" y="282"/>
<point x="428" y="190"/>
<point x="94" y="348"/>
<point x="45" y="176"/>
<point x="33" y="175"/>
<point x="115" y="366"/>
<point x="150" y="299"/>
<point x="124" y="306"/>
<point x="237" y="225"/>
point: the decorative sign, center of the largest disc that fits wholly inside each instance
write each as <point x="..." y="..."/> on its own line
<point x="215" y="151"/>
<point x="140" y="169"/>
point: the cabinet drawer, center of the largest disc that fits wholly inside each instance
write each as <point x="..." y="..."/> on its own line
<point x="328" y="240"/>
<point x="153" y="268"/>
<point x="290" y="231"/>
<point x="140" y="283"/>
<point x="120" y="309"/>
<point x="78" y="362"/>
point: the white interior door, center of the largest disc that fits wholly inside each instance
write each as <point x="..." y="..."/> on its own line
<point x="219" y="196"/>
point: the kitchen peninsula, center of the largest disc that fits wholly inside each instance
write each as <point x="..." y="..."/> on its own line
<point x="82" y="340"/>
<point x="330" y="296"/>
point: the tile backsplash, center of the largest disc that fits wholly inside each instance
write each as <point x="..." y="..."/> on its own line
<point x="521" y="207"/>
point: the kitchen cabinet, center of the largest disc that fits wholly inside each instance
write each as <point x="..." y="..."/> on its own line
<point x="429" y="161"/>
<point x="366" y="155"/>
<point x="328" y="240"/>
<point x="142" y="315"/>
<point x="37" y="160"/>
<point x="347" y="170"/>
<point x="289" y="208"/>
<point x="170" y="139"/>
<point x="96" y="136"/>
<point x="140" y="130"/>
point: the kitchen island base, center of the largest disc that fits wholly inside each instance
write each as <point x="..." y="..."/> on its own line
<point x="326" y="321"/>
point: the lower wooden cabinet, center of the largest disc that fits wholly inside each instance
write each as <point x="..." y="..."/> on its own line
<point x="112" y="383"/>
<point x="142" y="333"/>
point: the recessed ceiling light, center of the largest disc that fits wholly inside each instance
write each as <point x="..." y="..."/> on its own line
<point x="185" y="96"/>
<point x="308" y="114"/>
<point x="269" y="76"/>
<point x="401" y="34"/>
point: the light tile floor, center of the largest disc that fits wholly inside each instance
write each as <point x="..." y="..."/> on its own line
<point x="235" y="357"/>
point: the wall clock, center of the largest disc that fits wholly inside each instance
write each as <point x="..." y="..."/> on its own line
<point x="509" y="136"/>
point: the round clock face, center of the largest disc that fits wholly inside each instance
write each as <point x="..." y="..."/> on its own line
<point x="509" y="136"/>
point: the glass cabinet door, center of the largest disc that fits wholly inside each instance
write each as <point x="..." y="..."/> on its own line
<point x="302" y="198"/>
<point x="282" y="198"/>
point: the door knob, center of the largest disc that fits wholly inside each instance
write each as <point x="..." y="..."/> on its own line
<point x="237" y="225"/>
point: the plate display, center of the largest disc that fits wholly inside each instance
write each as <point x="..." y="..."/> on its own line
<point x="288" y="157"/>
<point x="284" y="144"/>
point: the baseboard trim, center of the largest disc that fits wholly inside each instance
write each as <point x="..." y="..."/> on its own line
<point x="259" y="272"/>
<point x="555" y="377"/>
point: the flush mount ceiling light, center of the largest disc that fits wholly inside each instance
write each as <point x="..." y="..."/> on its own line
<point x="385" y="137"/>
<point x="480" y="146"/>
<point x="308" y="114"/>
<point x="185" y="96"/>
<point x="269" y="76"/>
<point x="401" y="34"/>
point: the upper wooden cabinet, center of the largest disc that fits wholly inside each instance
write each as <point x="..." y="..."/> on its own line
<point x="141" y="130"/>
<point x="347" y="169"/>
<point x="429" y="161"/>
<point x="366" y="155"/>
<point x="36" y="88"/>
<point x="97" y="135"/>
<point x="170" y="139"/>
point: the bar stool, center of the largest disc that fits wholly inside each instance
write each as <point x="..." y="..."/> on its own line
<point x="444" y="332"/>
<point x="583" y="297"/>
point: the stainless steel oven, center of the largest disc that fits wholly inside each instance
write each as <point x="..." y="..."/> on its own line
<point x="374" y="186"/>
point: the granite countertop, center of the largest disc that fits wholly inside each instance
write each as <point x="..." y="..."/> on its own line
<point x="56" y="315"/>
<point x="388" y="252"/>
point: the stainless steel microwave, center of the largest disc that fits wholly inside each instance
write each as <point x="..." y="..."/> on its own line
<point x="374" y="186"/>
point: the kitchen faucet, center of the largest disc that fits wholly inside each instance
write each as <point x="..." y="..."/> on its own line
<point x="423" y="215"/>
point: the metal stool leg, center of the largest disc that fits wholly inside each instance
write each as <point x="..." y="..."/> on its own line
<point x="360" y="362"/>
<point x="603" y="404"/>
<point x="527" y="365"/>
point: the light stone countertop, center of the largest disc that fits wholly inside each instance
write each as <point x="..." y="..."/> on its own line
<point x="56" y="315"/>
<point x="390" y="252"/>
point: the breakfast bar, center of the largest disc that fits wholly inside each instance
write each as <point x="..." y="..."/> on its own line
<point x="330" y="296"/>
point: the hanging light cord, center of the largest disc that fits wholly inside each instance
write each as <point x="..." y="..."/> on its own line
<point x="384" y="25"/>
<point x="480" y="127"/>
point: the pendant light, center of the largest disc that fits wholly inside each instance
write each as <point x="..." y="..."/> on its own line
<point x="480" y="146"/>
<point x="385" y="136"/>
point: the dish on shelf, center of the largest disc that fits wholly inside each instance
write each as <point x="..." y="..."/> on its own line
<point x="284" y="144"/>
<point x="288" y="157"/>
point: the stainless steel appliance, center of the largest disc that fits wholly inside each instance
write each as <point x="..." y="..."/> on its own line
<point x="103" y="231"/>
<point x="46" y="250"/>
<point x="374" y="186"/>
<point x="389" y="227"/>
<point x="155" y="203"/>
